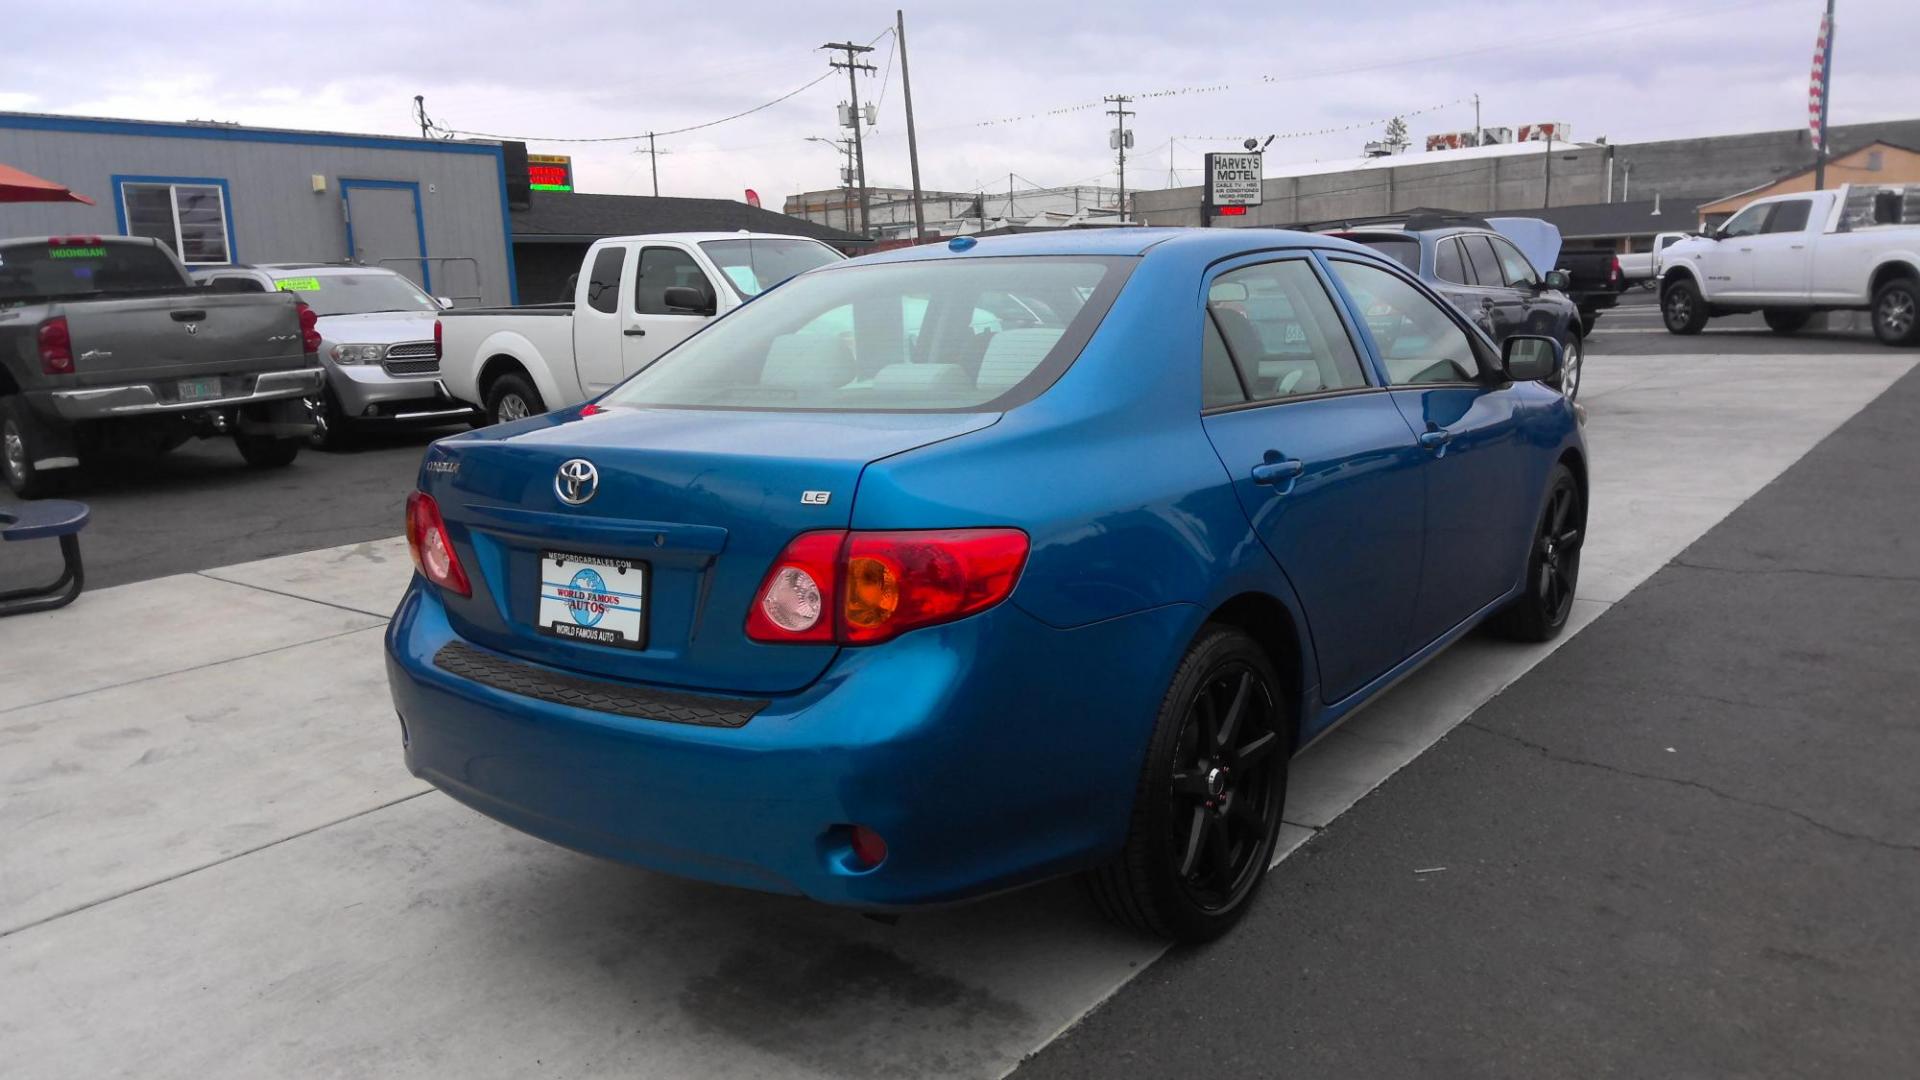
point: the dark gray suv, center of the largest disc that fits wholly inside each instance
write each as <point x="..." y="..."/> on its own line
<point x="1463" y="259"/>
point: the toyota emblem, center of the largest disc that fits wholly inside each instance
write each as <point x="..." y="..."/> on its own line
<point x="576" y="481"/>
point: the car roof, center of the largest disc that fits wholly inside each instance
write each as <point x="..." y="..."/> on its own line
<point x="288" y="269"/>
<point x="1119" y="240"/>
<point x="697" y="237"/>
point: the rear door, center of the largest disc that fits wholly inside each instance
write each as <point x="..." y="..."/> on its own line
<point x="1472" y="451"/>
<point x="598" y="323"/>
<point x="654" y="326"/>
<point x="1321" y="460"/>
<point x="1503" y="309"/>
<point x="1782" y="259"/>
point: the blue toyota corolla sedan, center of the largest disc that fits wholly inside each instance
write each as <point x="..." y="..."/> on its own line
<point x="950" y="569"/>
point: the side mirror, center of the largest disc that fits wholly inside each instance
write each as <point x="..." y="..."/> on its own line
<point x="445" y="302"/>
<point x="1530" y="358"/>
<point x="688" y="300"/>
<point x="1559" y="279"/>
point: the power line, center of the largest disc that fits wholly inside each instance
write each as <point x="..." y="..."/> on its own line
<point x="644" y="135"/>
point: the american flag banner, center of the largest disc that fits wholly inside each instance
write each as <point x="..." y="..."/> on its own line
<point x="1817" y="90"/>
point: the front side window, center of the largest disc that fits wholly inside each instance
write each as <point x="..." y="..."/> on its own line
<point x="1514" y="266"/>
<point x="1283" y="331"/>
<point x="892" y="337"/>
<point x="603" y="284"/>
<point x="189" y="218"/>
<point x="356" y="294"/>
<point x="1789" y="216"/>
<point x="663" y="268"/>
<point x="1747" y="222"/>
<point x="1219" y="383"/>
<point x="1418" y="342"/>
<point x="752" y="266"/>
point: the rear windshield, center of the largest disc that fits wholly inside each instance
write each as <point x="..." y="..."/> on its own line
<point x="1404" y="250"/>
<point x="45" y="270"/>
<point x="753" y="266"/>
<point x="945" y="335"/>
<point x="356" y="294"/>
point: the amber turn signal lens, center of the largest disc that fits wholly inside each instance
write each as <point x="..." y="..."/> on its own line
<point x="873" y="591"/>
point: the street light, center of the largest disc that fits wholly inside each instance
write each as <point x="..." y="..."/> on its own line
<point x="846" y="201"/>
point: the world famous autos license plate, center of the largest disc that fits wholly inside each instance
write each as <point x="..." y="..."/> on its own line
<point x="593" y="598"/>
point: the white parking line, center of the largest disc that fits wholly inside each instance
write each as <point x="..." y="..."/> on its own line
<point x="245" y="897"/>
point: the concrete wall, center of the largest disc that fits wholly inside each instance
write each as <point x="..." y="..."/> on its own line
<point x="276" y="215"/>
<point x="1686" y="170"/>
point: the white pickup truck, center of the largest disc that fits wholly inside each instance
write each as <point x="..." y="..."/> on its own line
<point x="1643" y="267"/>
<point x="634" y="298"/>
<point x="1856" y="248"/>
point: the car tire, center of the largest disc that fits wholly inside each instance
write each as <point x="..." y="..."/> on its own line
<point x="19" y="449"/>
<point x="512" y="397"/>
<point x="267" y="451"/>
<point x="1200" y="837"/>
<point x="1786" y="320"/>
<point x="1568" y="381"/>
<point x="1682" y="307"/>
<point x="1540" y="612"/>
<point x="1896" y="312"/>
<point x="332" y="429"/>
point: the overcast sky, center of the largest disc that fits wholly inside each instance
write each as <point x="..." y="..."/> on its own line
<point x="1629" y="70"/>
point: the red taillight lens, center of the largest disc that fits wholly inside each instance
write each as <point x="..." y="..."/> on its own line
<point x="861" y="588"/>
<point x="436" y="339"/>
<point x="1613" y="269"/>
<point x="432" y="548"/>
<point x="56" y="347"/>
<point x="309" y="327"/>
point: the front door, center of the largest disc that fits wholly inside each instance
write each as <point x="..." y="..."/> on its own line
<point x="1727" y="264"/>
<point x="653" y="325"/>
<point x="384" y="228"/>
<point x="1471" y="447"/>
<point x="1322" y="462"/>
<point x="1782" y="261"/>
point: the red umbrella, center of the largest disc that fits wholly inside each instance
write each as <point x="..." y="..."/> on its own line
<point x="16" y="186"/>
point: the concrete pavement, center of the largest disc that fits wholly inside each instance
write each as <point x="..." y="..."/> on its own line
<point x="217" y="864"/>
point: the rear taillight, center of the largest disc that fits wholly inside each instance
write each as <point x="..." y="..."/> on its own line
<point x="432" y="548"/>
<point x="1613" y="270"/>
<point x="436" y="339"/>
<point x="861" y="588"/>
<point x="309" y="327"/>
<point x="56" y="347"/>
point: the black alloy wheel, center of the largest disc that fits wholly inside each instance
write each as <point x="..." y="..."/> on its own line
<point x="1553" y="566"/>
<point x="1207" y="809"/>
<point x="1683" y="308"/>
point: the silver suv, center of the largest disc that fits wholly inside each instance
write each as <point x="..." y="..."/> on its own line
<point x="379" y="343"/>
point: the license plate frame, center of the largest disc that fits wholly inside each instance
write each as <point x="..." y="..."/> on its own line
<point x="596" y="599"/>
<point x="198" y="389"/>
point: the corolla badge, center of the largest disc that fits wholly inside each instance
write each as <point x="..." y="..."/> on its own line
<point x="576" y="482"/>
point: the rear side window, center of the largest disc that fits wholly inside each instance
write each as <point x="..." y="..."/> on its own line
<point x="934" y="335"/>
<point x="1447" y="263"/>
<point x="603" y="284"/>
<point x="43" y="270"/>
<point x="1283" y="331"/>
<point x="1790" y="216"/>
<point x="663" y="268"/>
<point x="1417" y="340"/>
<point x="1486" y="268"/>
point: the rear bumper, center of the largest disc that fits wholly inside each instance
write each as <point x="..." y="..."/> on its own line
<point x="978" y="750"/>
<point x="146" y="399"/>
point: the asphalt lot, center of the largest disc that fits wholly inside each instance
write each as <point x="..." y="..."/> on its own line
<point x="217" y="866"/>
<point x="1686" y="844"/>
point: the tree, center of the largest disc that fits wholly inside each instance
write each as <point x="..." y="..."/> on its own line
<point x="1396" y="139"/>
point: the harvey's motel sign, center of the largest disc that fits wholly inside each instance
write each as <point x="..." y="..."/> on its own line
<point x="1233" y="184"/>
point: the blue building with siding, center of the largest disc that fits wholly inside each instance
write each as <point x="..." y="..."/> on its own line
<point x="434" y="210"/>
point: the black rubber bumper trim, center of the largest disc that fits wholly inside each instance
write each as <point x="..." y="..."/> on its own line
<point x="501" y="673"/>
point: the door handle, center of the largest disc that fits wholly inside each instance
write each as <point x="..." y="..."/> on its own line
<point x="1276" y="469"/>
<point x="1435" y="438"/>
<point x="193" y="315"/>
<point x="634" y="331"/>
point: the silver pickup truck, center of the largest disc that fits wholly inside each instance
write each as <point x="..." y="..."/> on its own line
<point x="107" y="345"/>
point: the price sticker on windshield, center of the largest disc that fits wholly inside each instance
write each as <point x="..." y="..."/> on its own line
<point x="298" y="284"/>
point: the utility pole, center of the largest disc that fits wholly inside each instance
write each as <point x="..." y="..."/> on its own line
<point x="1824" y="73"/>
<point x="653" y="162"/>
<point x="420" y="113"/>
<point x="1010" y="197"/>
<point x="1548" y="200"/>
<point x="913" y="145"/>
<point x="1121" y="136"/>
<point x="852" y="64"/>
<point x="1477" y="129"/>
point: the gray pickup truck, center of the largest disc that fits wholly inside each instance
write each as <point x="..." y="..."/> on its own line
<point x="107" y="345"/>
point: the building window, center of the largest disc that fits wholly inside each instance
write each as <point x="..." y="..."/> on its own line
<point x="189" y="217"/>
